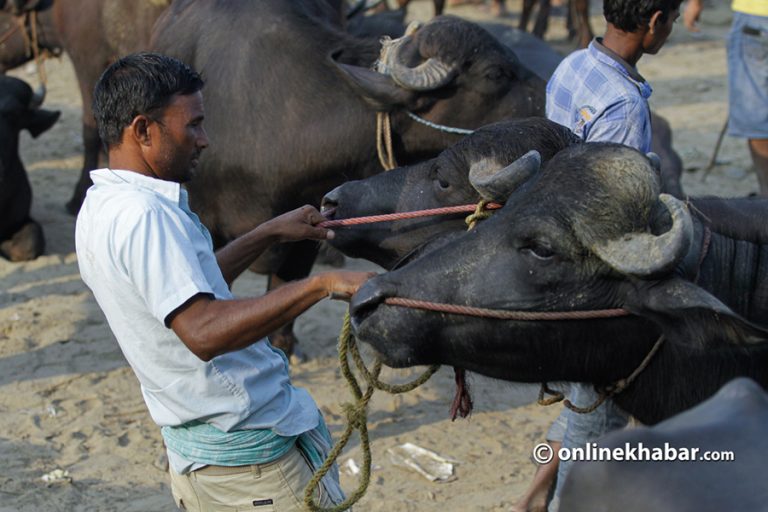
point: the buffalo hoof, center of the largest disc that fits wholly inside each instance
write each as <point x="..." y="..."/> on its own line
<point x="26" y="244"/>
<point x="285" y="340"/>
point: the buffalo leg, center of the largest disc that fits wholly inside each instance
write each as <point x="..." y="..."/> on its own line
<point x="439" y="7"/>
<point x="92" y="144"/>
<point x="542" y="19"/>
<point x="578" y="13"/>
<point x="297" y="265"/>
<point x="525" y="14"/>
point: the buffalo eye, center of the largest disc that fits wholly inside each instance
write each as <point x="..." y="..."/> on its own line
<point x="494" y="74"/>
<point x="440" y="182"/>
<point x="540" y="252"/>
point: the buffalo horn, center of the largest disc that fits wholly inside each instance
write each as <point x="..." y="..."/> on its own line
<point x="429" y="75"/>
<point x="648" y="255"/>
<point x="498" y="185"/>
<point x="37" y="98"/>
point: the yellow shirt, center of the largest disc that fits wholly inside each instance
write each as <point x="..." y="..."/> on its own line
<point x="753" y="7"/>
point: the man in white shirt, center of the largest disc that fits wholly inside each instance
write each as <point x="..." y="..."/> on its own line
<point x="238" y="433"/>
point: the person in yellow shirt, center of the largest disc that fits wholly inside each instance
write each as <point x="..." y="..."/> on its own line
<point x="747" y="77"/>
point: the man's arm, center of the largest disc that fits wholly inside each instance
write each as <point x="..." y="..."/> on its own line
<point x="211" y="327"/>
<point x="298" y="224"/>
<point x="691" y="14"/>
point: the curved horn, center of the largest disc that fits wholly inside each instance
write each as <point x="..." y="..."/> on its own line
<point x="497" y="185"/>
<point x="647" y="255"/>
<point x="429" y="75"/>
<point x="37" y="98"/>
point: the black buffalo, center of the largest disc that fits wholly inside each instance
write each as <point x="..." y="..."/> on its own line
<point x="94" y="34"/>
<point x="291" y="103"/>
<point x="728" y="432"/>
<point x="441" y="181"/>
<point x="589" y="231"/>
<point x="21" y="238"/>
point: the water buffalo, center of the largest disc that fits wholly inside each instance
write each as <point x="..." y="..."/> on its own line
<point x="730" y="423"/>
<point x="93" y="33"/>
<point x="291" y="105"/>
<point x="444" y="181"/>
<point x="441" y="181"/>
<point x="588" y="232"/>
<point x="21" y="238"/>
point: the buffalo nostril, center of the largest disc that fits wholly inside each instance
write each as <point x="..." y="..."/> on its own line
<point x="330" y="203"/>
<point x="366" y="300"/>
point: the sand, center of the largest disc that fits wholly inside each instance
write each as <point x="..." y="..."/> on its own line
<point x="68" y="400"/>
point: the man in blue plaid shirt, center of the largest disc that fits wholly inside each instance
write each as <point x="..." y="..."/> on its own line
<point x="599" y="94"/>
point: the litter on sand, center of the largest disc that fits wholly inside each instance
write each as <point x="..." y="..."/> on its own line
<point x="428" y="464"/>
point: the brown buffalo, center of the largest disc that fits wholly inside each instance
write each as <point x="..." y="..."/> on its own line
<point x="93" y="33"/>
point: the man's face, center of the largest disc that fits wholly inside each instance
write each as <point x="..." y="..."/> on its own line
<point x="176" y="152"/>
<point x="661" y="31"/>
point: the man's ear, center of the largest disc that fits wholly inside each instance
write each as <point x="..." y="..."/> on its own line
<point x="654" y="21"/>
<point x="140" y="130"/>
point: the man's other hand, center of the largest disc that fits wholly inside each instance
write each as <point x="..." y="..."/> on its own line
<point x="342" y="285"/>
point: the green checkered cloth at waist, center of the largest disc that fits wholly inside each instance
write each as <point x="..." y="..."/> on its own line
<point x="203" y="443"/>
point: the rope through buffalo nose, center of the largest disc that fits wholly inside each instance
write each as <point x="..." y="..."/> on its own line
<point x="371" y="219"/>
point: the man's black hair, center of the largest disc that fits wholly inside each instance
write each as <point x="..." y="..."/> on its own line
<point x="138" y="84"/>
<point x="630" y="15"/>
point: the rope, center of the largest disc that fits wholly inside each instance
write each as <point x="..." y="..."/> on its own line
<point x="447" y="210"/>
<point x="439" y="127"/>
<point x="356" y="414"/>
<point x="604" y="393"/>
<point x="503" y="314"/>
<point x="384" y="141"/>
<point x="39" y="60"/>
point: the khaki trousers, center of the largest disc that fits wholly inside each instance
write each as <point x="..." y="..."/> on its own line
<point x="277" y="486"/>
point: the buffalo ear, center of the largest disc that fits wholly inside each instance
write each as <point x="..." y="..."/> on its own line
<point x="379" y="91"/>
<point x="689" y="315"/>
<point x="39" y="121"/>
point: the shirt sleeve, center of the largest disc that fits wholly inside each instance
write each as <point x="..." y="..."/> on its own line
<point x="626" y="122"/>
<point x="160" y="260"/>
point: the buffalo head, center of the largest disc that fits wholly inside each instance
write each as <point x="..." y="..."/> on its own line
<point x="450" y="72"/>
<point x="588" y="231"/>
<point x="441" y="181"/>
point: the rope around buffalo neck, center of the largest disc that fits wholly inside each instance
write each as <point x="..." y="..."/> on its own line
<point x="439" y="127"/>
<point x="384" y="148"/>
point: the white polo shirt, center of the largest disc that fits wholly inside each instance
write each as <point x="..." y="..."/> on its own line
<point x="143" y="253"/>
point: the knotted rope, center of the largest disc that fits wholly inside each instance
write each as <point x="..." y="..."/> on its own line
<point x="356" y="414"/>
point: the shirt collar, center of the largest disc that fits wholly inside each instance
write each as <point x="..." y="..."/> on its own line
<point x="607" y="56"/>
<point x="168" y="189"/>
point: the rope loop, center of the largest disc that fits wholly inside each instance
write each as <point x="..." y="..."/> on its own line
<point x="480" y="213"/>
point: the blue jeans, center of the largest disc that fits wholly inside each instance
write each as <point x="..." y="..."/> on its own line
<point x="748" y="77"/>
<point x="583" y="428"/>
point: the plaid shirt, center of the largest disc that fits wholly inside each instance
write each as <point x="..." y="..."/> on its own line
<point x="600" y="97"/>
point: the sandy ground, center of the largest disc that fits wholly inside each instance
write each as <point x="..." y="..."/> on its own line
<point x="68" y="401"/>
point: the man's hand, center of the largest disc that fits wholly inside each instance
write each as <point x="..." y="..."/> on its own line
<point x="691" y="14"/>
<point x="342" y="285"/>
<point x="299" y="224"/>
